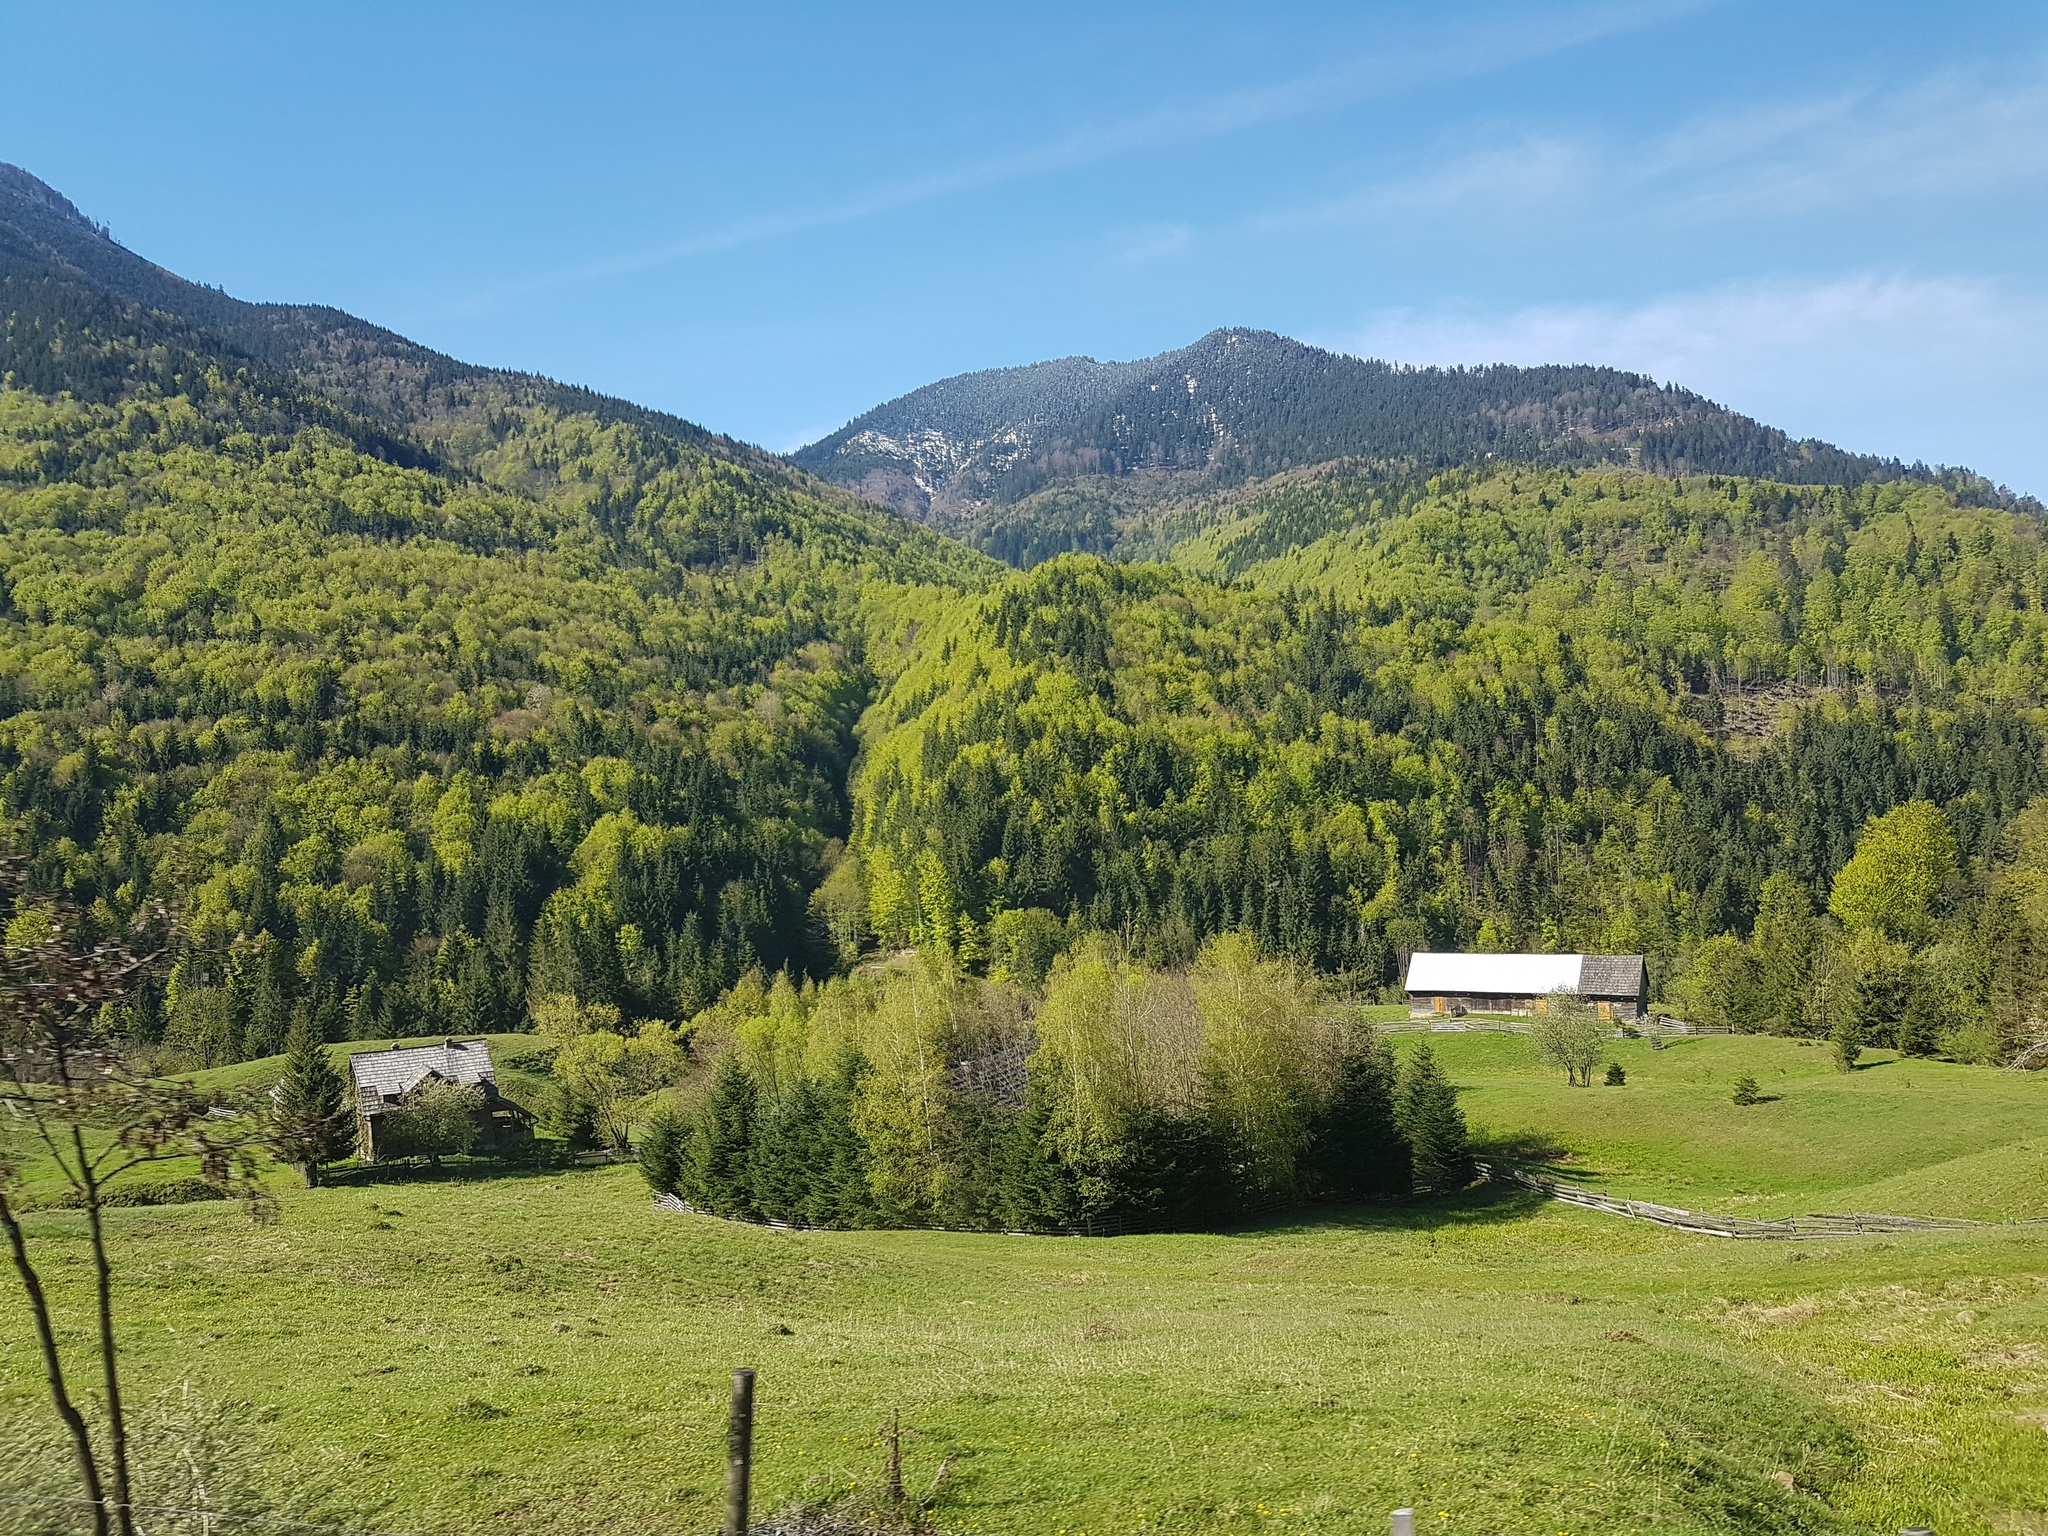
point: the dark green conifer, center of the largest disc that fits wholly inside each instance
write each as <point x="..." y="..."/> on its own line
<point x="1360" y="1151"/>
<point x="312" y="1123"/>
<point x="1427" y="1109"/>
<point x="718" y="1177"/>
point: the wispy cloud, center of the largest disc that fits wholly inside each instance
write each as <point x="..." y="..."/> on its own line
<point x="1953" y="134"/>
<point x="1463" y="54"/>
<point x="1873" y="361"/>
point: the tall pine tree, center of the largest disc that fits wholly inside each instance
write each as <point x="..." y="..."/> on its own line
<point x="1427" y="1109"/>
<point x="312" y="1125"/>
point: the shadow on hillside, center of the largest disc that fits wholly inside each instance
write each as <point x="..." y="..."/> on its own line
<point x="453" y="1170"/>
<point x="1484" y="1204"/>
<point x="1522" y="1147"/>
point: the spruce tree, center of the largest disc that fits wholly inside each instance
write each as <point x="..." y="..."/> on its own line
<point x="312" y="1123"/>
<point x="1360" y="1152"/>
<point x="719" y="1175"/>
<point x="664" y="1145"/>
<point x="1427" y="1109"/>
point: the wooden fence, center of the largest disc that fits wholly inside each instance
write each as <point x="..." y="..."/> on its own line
<point x="1724" y="1226"/>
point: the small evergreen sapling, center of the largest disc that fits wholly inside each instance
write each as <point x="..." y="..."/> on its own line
<point x="1847" y="1039"/>
<point x="1616" y="1074"/>
<point x="310" y="1126"/>
<point x="1746" y="1090"/>
<point x="1427" y="1109"/>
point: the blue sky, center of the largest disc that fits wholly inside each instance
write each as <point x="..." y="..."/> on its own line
<point x="768" y="218"/>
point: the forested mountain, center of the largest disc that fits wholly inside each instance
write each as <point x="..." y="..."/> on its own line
<point x="96" y="290"/>
<point x="1075" y="454"/>
<point x="415" y="688"/>
<point x="430" y="696"/>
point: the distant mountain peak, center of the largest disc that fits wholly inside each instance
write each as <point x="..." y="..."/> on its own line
<point x="1242" y="403"/>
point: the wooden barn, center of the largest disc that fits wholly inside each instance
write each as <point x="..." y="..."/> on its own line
<point x="1618" y="986"/>
<point x="382" y="1079"/>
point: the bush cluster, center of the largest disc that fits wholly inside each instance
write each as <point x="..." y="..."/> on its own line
<point x="1126" y="1098"/>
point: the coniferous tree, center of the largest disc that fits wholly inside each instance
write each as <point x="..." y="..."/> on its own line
<point x="1359" y="1146"/>
<point x="1783" y="939"/>
<point x="1427" y="1108"/>
<point x="664" y="1151"/>
<point x="719" y="1176"/>
<point x="313" y="1124"/>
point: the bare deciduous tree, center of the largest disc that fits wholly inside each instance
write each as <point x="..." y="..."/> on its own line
<point x="96" y="1122"/>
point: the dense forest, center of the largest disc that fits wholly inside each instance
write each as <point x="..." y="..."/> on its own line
<point x="432" y="700"/>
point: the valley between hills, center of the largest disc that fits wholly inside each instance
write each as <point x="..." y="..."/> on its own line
<point x="1108" y="733"/>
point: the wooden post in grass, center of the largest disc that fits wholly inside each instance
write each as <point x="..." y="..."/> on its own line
<point x="896" y="1457"/>
<point x="1404" y="1522"/>
<point x="739" y="1452"/>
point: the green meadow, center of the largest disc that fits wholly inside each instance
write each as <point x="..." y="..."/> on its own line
<point x="1898" y="1135"/>
<point x="548" y="1352"/>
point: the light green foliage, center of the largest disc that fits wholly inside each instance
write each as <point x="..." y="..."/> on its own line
<point x="558" y="1016"/>
<point x="1023" y="945"/>
<point x="438" y="1119"/>
<point x="1266" y="1058"/>
<point x="906" y="1038"/>
<point x="1095" y="1051"/>
<point x="397" y="738"/>
<point x="617" y="1077"/>
<point x="1570" y="1035"/>
<point x="1722" y="985"/>
<point x="1902" y="861"/>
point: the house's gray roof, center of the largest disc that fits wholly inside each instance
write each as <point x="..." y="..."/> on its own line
<point x="383" y="1074"/>
<point x="1611" y="976"/>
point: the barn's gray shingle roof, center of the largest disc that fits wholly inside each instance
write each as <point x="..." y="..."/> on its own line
<point x="382" y="1074"/>
<point x="1611" y="976"/>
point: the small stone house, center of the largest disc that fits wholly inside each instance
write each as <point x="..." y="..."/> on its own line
<point x="382" y="1079"/>
<point x="1618" y="986"/>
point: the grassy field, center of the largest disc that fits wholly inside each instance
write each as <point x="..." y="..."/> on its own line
<point x="548" y="1352"/>
<point x="1900" y="1136"/>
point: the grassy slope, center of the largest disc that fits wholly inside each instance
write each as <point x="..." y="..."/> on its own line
<point x="549" y="1353"/>
<point x="1906" y="1137"/>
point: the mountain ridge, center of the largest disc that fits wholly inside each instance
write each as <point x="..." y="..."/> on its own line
<point x="367" y="369"/>
<point x="1243" y="404"/>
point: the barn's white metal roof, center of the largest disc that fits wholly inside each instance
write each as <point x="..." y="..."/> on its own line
<point x="1495" y="975"/>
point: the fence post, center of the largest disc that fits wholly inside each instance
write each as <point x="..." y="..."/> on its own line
<point x="739" y="1452"/>
<point x="1404" y="1522"/>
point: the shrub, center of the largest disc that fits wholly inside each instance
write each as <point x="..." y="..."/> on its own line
<point x="1975" y="1041"/>
<point x="437" y="1120"/>
<point x="1569" y="1035"/>
<point x="1615" y="1075"/>
<point x="1746" y="1090"/>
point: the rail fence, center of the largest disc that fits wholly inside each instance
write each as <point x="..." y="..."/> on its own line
<point x="1707" y="1222"/>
